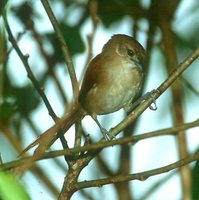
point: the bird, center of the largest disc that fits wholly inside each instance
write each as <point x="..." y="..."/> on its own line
<point x="113" y="80"/>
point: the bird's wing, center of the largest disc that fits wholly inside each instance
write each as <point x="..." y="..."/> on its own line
<point x="90" y="77"/>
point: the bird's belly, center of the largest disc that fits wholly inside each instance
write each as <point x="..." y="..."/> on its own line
<point x="117" y="98"/>
<point x="120" y="92"/>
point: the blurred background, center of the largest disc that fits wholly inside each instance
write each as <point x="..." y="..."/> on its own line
<point x="168" y="30"/>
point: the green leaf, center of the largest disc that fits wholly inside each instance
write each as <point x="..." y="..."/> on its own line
<point x="113" y="11"/>
<point x="27" y="99"/>
<point x="72" y="38"/>
<point x="2" y="5"/>
<point x="195" y="181"/>
<point x="7" y="110"/>
<point x="3" y="46"/>
<point x="10" y="188"/>
<point x="24" y="12"/>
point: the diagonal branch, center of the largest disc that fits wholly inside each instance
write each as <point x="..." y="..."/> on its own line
<point x="142" y="176"/>
<point x="64" y="48"/>
<point x="36" y="84"/>
<point x="91" y="147"/>
<point x="24" y="59"/>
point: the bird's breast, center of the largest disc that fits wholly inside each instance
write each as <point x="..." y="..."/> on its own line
<point x="125" y="86"/>
<point x="116" y="88"/>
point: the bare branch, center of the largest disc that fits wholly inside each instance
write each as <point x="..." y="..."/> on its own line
<point x="31" y="76"/>
<point x="64" y="48"/>
<point x="97" y="146"/>
<point x="142" y="176"/>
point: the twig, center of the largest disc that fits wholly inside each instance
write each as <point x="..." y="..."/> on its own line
<point x="125" y="140"/>
<point x="64" y="48"/>
<point x="24" y="59"/>
<point x="36" y="84"/>
<point x="142" y="176"/>
<point x="96" y="146"/>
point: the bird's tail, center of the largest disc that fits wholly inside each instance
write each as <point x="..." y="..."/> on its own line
<point x="50" y="135"/>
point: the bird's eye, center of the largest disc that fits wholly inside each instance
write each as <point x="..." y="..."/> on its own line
<point x="130" y="53"/>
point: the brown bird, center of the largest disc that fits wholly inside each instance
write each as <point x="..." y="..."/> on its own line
<point x="113" y="80"/>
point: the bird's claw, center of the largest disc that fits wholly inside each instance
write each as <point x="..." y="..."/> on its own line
<point x="151" y="94"/>
<point x="107" y="136"/>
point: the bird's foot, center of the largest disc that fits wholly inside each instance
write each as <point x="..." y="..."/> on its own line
<point x="151" y="94"/>
<point x="107" y="136"/>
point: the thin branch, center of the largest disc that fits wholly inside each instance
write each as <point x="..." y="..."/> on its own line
<point x="24" y="59"/>
<point x="142" y="176"/>
<point x="36" y="84"/>
<point x="96" y="146"/>
<point x="64" y="48"/>
<point x="125" y="140"/>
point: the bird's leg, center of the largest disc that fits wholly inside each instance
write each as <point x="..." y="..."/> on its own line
<point x="130" y="107"/>
<point x="107" y="136"/>
<point x="150" y="94"/>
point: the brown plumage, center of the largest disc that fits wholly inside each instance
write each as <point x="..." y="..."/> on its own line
<point x="113" y="80"/>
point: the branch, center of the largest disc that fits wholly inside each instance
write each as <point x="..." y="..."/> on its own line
<point x="64" y="48"/>
<point x="142" y="176"/>
<point x="36" y="84"/>
<point x="96" y="146"/>
<point x="125" y="140"/>
<point x="24" y="59"/>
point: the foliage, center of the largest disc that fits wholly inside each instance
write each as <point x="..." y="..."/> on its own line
<point x="10" y="188"/>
